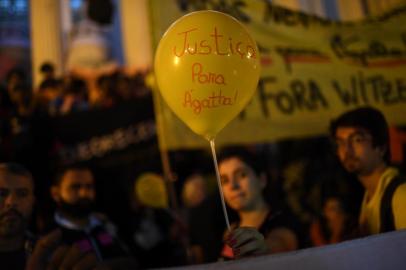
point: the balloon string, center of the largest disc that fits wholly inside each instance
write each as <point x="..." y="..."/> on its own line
<point x="213" y="151"/>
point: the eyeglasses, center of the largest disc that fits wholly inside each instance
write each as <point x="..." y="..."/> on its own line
<point x="354" y="140"/>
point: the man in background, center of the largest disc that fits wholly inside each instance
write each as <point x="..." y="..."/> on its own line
<point x="16" y="206"/>
<point x="362" y="145"/>
<point x="74" y="194"/>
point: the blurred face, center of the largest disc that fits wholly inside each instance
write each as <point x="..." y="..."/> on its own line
<point x="51" y="93"/>
<point x="333" y="210"/>
<point x="75" y="194"/>
<point x="242" y="188"/>
<point x="18" y="96"/>
<point x="50" y="74"/>
<point x="16" y="204"/>
<point x="13" y="81"/>
<point x="194" y="191"/>
<point x="123" y="89"/>
<point x="356" y="151"/>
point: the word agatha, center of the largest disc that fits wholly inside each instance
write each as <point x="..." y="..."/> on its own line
<point x="213" y="101"/>
<point x="208" y="77"/>
<point x="216" y="44"/>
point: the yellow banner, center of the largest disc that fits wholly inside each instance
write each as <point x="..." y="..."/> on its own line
<point x="312" y="70"/>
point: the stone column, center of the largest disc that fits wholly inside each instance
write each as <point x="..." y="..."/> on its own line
<point x="290" y="4"/>
<point x="315" y="7"/>
<point x="136" y="34"/>
<point x="350" y="10"/>
<point x="46" y="37"/>
<point x="376" y="8"/>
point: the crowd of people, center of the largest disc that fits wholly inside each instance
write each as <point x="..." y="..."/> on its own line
<point x="77" y="91"/>
<point x="23" y="107"/>
<point x="76" y="234"/>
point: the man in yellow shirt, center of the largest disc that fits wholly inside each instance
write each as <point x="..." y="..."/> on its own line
<point x="362" y="146"/>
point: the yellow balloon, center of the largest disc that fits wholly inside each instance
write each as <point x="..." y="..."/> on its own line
<point x="150" y="189"/>
<point x="207" y="67"/>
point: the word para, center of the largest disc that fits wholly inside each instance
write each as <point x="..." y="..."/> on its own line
<point x="208" y="77"/>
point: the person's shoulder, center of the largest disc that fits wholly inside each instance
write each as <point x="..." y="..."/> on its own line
<point x="101" y="217"/>
<point x="398" y="188"/>
<point x="101" y="221"/>
<point x="400" y="192"/>
<point x="400" y="178"/>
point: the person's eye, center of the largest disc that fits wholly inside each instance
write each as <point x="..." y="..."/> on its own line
<point x="22" y="193"/>
<point x="339" y="143"/>
<point x="224" y="180"/>
<point x="358" y="139"/>
<point x="75" y="187"/>
<point x="241" y="174"/>
<point x="3" y="192"/>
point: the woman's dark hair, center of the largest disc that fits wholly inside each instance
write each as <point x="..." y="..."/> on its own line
<point x="248" y="157"/>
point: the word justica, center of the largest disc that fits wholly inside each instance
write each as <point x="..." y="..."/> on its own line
<point x="212" y="101"/>
<point x="215" y="43"/>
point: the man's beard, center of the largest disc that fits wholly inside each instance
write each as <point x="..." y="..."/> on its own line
<point x="80" y="209"/>
<point x="12" y="223"/>
<point x="352" y="165"/>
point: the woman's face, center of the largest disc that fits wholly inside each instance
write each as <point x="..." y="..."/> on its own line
<point x="242" y="188"/>
<point x="333" y="210"/>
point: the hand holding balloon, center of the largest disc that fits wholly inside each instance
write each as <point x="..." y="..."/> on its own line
<point x="246" y="241"/>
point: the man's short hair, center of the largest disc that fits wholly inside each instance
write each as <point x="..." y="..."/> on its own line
<point x="19" y="72"/>
<point x="368" y="118"/>
<point x="244" y="155"/>
<point x="62" y="171"/>
<point x="15" y="169"/>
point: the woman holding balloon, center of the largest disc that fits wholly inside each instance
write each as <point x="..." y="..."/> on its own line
<point x="207" y="68"/>
<point x="261" y="229"/>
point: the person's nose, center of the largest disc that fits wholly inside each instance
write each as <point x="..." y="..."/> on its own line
<point x="85" y="192"/>
<point x="11" y="200"/>
<point x="346" y="148"/>
<point x="349" y="147"/>
<point x="234" y="183"/>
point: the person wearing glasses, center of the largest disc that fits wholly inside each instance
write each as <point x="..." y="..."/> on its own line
<point x="361" y="139"/>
